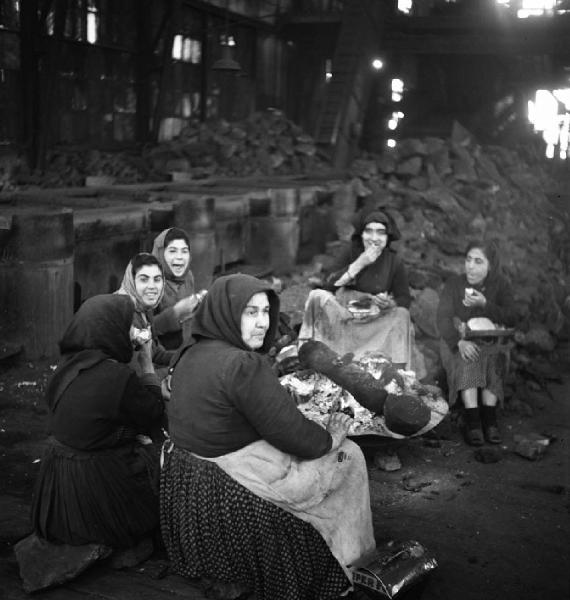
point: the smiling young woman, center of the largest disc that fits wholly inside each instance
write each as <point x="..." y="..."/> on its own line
<point x="143" y="281"/>
<point x="149" y="284"/>
<point x="172" y="317"/>
<point x="371" y="276"/>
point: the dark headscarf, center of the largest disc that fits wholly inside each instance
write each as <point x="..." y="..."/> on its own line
<point x="175" y="288"/>
<point x="375" y="215"/>
<point x="159" y="246"/>
<point x="99" y="330"/>
<point x="219" y="315"/>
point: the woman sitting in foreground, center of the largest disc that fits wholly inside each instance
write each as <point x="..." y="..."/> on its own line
<point x="475" y="367"/>
<point x="173" y="315"/>
<point x="143" y="281"/>
<point x="94" y="484"/>
<point x="370" y="271"/>
<point x="252" y="492"/>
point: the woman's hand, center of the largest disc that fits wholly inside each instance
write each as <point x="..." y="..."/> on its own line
<point x="184" y="308"/>
<point x="367" y="257"/>
<point x="144" y="357"/>
<point x="338" y="426"/>
<point x="384" y="300"/>
<point x="475" y="298"/>
<point x="468" y="351"/>
<point x="165" y="387"/>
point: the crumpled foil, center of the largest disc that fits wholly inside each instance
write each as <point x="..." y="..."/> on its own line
<point x="394" y="568"/>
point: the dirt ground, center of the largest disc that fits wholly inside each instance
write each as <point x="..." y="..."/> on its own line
<point x="498" y="530"/>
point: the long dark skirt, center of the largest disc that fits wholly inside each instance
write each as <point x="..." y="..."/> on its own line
<point x="105" y="496"/>
<point x="213" y="527"/>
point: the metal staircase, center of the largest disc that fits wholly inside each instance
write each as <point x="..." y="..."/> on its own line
<point x="347" y="90"/>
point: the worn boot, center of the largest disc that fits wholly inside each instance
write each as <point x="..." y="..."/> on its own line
<point x="490" y="427"/>
<point x="473" y="432"/>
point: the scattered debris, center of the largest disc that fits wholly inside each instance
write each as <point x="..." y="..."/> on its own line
<point x="488" y="455"/>
<point x="531" y="445"/>
<point x="387" y="460"/>
<point x="412" y="483"/>
<point x="431" y="443"/>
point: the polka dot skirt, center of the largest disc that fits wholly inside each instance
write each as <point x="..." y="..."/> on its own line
<point x="213" y="527"/>
<point x="487" y="372"/>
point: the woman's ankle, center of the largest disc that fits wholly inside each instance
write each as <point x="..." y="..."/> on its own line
<point x="473" y="431"/>
<point x="489" y="415"/>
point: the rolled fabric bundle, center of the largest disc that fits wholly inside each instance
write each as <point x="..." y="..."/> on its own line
<point x="363" y="386"/>
<point x="404" y="414"/>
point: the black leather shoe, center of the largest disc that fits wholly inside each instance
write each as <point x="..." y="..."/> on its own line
<point x="492" y="434"/>
<point x="474" y="437"/>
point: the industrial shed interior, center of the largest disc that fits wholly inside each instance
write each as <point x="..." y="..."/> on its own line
<point x="261" y="128"/>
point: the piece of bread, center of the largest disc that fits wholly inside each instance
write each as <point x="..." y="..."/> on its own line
<point x="480" y="324"/>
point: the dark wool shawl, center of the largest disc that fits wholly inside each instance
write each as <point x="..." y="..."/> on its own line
<point x="226" y="396"/>
<point x="98" y="331"/>
<point x="219" y="316"/>
<point x="499" y="307"/>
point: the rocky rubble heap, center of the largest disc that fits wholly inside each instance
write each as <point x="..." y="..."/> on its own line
<point x="266" y="143"/>
<point x="443" y="192"/>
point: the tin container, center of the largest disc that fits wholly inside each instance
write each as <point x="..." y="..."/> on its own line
<point x="394" y="568"/>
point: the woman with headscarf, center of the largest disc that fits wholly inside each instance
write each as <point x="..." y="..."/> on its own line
<point x="97" y="483"/>
<point x="174" y="313"/>
<point x="252" y="492"/>
<point x="475" y="368"/>
<point x="143" y="281"/>
<point x="371" y="274"/>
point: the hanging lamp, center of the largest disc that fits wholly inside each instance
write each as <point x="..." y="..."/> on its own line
<point x="226" y="62"/>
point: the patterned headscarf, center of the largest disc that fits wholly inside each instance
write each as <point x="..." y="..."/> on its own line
<point x="128" y="285"/>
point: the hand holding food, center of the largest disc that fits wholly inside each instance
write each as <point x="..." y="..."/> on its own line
<point x="384" y="300"/>
<point x="474" y="297"/>
<point x="186" y="306"/>
<point x="140" y="337"/>
<point x="144" y="355"/>
<point x="367" y="257"/>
